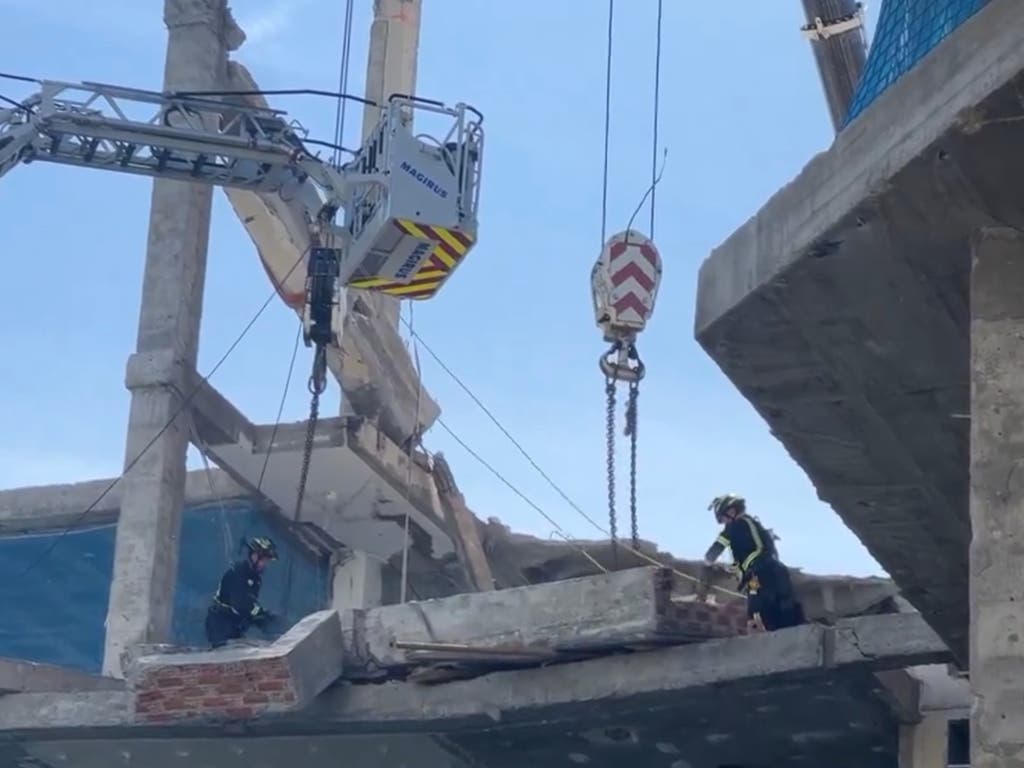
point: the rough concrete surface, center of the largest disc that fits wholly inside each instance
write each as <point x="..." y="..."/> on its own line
<point x="997" y="498"/>
<point x="56" y="507"/>
<point x="810" y="689"/>
<point x="27" y="677"/>
<point x="200" y="33"/>
<point x="840" y="310"/>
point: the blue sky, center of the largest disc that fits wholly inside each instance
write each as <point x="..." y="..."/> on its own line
<point x="742" y="111"/>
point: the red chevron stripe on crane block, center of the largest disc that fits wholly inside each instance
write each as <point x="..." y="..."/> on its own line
<point x="633" y="272"/>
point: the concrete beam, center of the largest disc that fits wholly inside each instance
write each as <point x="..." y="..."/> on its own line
<point x="616" y="684"/>
<point x="56" y="507"/>
<point x="18" y="676"/>
<point x="610" y="610"/>
<point x="464" y="527"/>
<point x="997" y="498"/>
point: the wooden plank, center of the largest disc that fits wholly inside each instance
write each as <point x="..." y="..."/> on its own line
<point x="462" y="527"/>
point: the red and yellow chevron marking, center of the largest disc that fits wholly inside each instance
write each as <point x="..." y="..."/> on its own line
<point x="451" y="246"/>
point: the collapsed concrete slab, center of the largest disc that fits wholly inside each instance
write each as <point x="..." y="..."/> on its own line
<point x="840" y="310"/>
<point x="239" y="683"/>
<point x="535" y="624"/>
<point x="360" y="486"/>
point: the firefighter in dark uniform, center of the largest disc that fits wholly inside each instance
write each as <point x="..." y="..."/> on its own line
<point x="771" y="602"/>
<point x="236" y="606"/>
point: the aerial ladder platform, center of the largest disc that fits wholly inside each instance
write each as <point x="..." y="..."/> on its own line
<point x="399" y="217"/>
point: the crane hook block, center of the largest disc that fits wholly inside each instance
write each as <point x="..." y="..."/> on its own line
<point x="322" y="315"/>
<point x="625" y="283"/>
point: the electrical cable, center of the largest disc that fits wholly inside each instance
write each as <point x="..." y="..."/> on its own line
<point x="508" y="484"/>
<point x="204" y="380"/>
<point x="280" y="409"/>
<point x="657" y="103"/>
<point x="557" y="488"/>
<point x="17" y="104"/>
<point x="607" y="125"/>
<point x="346" y="52"/>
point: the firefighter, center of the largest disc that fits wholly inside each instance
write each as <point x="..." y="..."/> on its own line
<point x="236" y="606"/>
<point x="771" y="602"/>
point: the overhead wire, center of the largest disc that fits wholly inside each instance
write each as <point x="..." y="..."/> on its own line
<point x="512" y="487"/>
<point x="551" y="482"/>
<point x="607" y="124"/>
<point x="185" y="402"/>
<point x="346" y="51"/>
<point x="657" y="101"/>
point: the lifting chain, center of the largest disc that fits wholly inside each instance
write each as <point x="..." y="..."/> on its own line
<point x="609" y="389"/>
<point x="317" y="385"/>
<point x="622" y="363"/>
<point x="631" y="424"/>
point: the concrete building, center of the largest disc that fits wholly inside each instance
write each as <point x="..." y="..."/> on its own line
<point x="515" y="650"/>
<point x="866" y="312"/>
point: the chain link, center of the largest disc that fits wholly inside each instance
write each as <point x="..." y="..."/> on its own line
<point x="317" y="385"/>
<point x="631" y="425"/>
<point x="609" y="389"/>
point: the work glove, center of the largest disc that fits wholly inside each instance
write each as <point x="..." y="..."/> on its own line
<point x="264" y="617"/>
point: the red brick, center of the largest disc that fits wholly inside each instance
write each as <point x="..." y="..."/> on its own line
<point x="272" y="685"/>
<point x="149" y="706"/>
<point x="176" y="704"/>
<point x="150" y="695"/>
<point x="281" y="673"/>
<point x="195" y="692"/>
<point x="232" y="688"/>
<point x="218" y="702"/>
<point x="239" y="713"/>
<point x="255" y="698"/>
<point x="158" y="717"/>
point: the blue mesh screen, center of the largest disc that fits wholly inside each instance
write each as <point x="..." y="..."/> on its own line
<point x="55" y="614"/>
<point x="906" y="31"/>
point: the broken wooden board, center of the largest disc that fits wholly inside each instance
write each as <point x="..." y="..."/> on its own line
<point x="563" y="618"/>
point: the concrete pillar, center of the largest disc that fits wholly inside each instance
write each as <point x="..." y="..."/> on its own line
<point x="357" y="582"/>
<point x="925" y="744"/>
<point x="200" y="32"/>
<point x="997" y="499"/>
<point x="840" y="59"/>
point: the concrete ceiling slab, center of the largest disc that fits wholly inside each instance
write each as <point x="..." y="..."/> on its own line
<point x="840" y="310"/>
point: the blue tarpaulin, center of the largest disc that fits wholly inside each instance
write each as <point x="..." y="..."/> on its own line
<point x="55" y="613"/>
<point x="906" y="31"/>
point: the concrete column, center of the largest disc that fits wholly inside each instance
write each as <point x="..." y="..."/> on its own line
<point x="997" y="499"/>
<point x="357" y="582"/>
<point x="925" y="744"/>
<point x="200" y="32"/>
<point x="840" y="59"/>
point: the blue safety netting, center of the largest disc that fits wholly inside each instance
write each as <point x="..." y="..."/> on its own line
<point x="906" y="31"/>
<point x="55" y="614"/>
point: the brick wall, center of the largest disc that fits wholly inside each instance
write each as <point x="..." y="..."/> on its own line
<point x="239" y="683"/>
<point x="238" y="690"/>
<point x="707" y="621"/>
